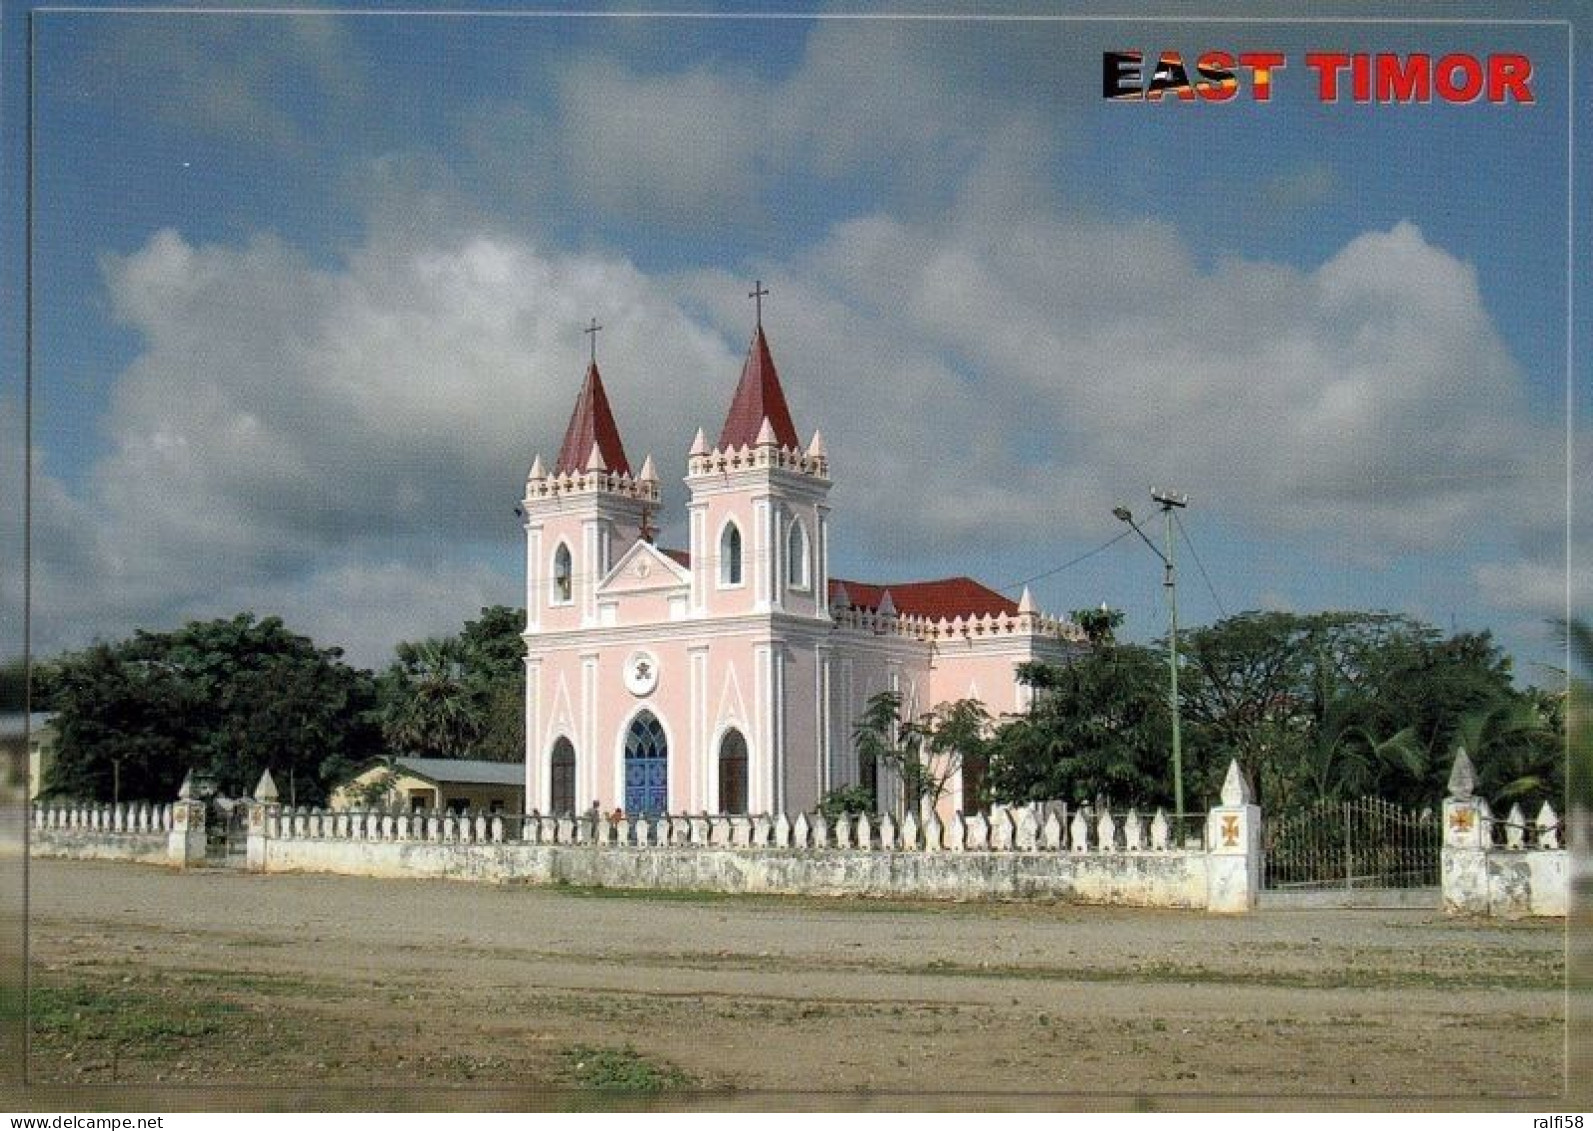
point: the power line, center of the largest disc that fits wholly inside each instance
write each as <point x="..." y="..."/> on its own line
<point x="1067" y="564"/>
<point x="1210" y="588"/>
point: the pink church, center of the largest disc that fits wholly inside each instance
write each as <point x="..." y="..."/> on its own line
<point x="728" y="677"/>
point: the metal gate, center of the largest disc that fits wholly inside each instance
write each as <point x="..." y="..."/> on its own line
<point x="1351" y="845"/>
<point x="226" y="833"/>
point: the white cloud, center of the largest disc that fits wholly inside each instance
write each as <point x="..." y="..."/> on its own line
<point x="348" y="442"/>
<point x="287" y="430"/>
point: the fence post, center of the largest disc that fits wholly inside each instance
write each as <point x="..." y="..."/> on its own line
<point x="1233" y="858"/>
<point x="261" y="808"/>
<point x="1349" y="855"/>
<point x="185" y="844"/>
<point x="1466" y="841"/>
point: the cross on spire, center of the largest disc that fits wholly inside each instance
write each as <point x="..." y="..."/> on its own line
<point x="593" y="329"/>
<point x="757" y="293"/>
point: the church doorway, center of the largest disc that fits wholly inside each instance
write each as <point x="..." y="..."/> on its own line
<point x="733" y="773"/>
<point x="646" y="766"/>
<point x="561" y="777"/>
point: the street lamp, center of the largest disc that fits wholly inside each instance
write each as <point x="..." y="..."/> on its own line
<point x="1167" y="500"/>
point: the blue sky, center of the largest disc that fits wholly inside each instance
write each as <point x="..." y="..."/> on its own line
<point x="308" y="293"/>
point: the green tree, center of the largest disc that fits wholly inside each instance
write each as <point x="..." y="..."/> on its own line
<point x="228" y="698"/>
<point x="1098" y="726"/>
<point x="924" y="753"/>
<point x="494" y="662"/>
<point x="429" y="708"/>
<point x="1340" y="704"/>
<point x="460" y="696"/>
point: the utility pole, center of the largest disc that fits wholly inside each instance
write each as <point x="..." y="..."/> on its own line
<point x="1168" y="500"/>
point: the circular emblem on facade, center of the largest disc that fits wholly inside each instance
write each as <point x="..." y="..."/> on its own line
<point x="641" y="673"/>
<point x="641" y="568"/>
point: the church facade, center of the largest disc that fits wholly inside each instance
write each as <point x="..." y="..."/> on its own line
<point x="728" y="676"/>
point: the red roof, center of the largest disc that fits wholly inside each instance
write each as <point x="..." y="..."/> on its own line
<point x="758" y="397"/>
<point x="681" y="557"/>
<point x="949" y="597"/>
<point x="591" y="423"/>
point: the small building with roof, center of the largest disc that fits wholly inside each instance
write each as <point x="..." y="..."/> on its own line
<point x="434" y="784"/>
<point x="728" y="676"/>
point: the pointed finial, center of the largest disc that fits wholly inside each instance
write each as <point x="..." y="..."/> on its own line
<point x="266" y="789"/>
<point x="839" y="597"/>
<point x="699" y="445"/>
<point x="1235" y="790"/>
<point x="592" y="330"/>
<point x="887" y="607"/>
<point x="1026" y="602"/>
<point x="594" y="462"/>
<point x="766" y="434"/>
<point x="649" y="472"/>
<point x="757" y="293"/>
<point x="816" y="448"/>
<point x="1463" y="777"/>
<point x="537" y="472"/>
<point x="185" y="792"/>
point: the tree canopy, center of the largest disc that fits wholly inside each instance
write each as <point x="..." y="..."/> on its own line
<point x="460" y="696"/>
<point x="227" y="698"/>
<point x="1333" y="704"/>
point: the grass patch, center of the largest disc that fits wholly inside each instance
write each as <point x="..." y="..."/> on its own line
<point x="85" y="1014"/>
<point x="622" y="1070"/>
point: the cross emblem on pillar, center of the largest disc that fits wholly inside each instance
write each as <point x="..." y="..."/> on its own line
<point x="593" y="329"/>
<point x="756" y="294"/>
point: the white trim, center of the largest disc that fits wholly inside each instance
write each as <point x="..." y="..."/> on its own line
<point x="586" y="791"/>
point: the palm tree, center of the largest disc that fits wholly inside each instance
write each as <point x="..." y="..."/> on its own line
<point x="432" y="711"/>
<point x="1516" y="741"/>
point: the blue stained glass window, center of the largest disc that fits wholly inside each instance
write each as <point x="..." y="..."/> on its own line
<point x="646" y="766"/>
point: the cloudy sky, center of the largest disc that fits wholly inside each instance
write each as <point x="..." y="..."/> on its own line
<point x="308" y="294"/>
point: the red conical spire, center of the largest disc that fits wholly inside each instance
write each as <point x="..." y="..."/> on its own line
<point x="591" y="423"/>
<point x="758" y="398"/>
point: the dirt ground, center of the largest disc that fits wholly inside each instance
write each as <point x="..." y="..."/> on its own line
<point x="384" y="989"/>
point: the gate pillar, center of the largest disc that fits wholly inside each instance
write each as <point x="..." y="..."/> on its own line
<point x="1468" y="834"/>
<point x="1233" y="847"/>
<point x="185" y="843"/>
<point x="263" y="806"/>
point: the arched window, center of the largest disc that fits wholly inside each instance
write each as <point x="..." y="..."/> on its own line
<point x="797" y="567"/>
<point x="646" y="766"/>
<point x="561" y="777"/>
<point x="730" y="555"/>
<point x="868" y="777"/>
<point x="733" y="773"/>
<point x="563" y="576"/>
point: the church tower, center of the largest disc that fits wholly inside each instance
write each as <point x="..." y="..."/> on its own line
<point x="759" y="529"/>
<point x="582" y="513"/>
<point x="759" y="507"/>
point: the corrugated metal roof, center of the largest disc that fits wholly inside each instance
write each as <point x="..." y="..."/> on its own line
<point x="465" y="771"/>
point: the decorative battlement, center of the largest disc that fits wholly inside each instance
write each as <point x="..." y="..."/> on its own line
<point x="541" y="487"/>
<point x="989" y="626"/>
<point x="767" y="455"/>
